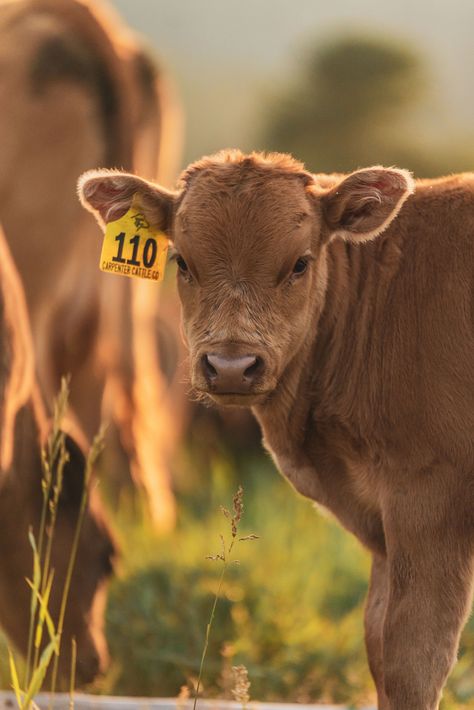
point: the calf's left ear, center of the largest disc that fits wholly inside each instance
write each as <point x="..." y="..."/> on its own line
<point x="363" y="204"/>
<point x="108" y="194"/>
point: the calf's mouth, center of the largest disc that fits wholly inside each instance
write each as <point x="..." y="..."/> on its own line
<point x="230" y="399"/>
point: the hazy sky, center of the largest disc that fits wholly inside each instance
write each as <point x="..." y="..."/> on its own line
<point x="225" y="53"/>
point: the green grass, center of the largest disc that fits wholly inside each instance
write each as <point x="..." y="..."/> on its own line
<point x="291" y="611"/>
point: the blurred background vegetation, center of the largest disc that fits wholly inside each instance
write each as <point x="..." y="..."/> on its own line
<point x="291" y="611"/>
<point x="340" y="85"/>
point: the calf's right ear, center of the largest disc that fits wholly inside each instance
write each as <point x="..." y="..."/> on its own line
<point x="108" y="194"/>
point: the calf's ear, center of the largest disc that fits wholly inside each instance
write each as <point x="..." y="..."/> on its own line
<point x="108" y="194"/>
<point x="362" y="205"/>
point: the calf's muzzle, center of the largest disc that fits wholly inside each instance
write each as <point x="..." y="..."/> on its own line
<point x="231" y="375"/>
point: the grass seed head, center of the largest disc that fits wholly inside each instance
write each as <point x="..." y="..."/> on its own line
<point x="241" y="687"/>
<point x="238" y="506"/>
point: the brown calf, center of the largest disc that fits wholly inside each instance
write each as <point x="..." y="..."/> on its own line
<point x="78" y="90"/>
<point x="341" y="309"/>
<point x="23" y="430"/>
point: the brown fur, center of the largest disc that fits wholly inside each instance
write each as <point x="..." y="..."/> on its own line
<point x="24" y="429"/>
<point x="366" y="398"/>
<point x="78" y="90"/>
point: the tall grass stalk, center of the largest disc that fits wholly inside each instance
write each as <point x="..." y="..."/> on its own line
<point x="94" y="452"/>
<point x="72" y="676"/>
<point x="25" y="697"/>
<point x="224" y="556"/>
<point x="46" y="574"/>
<point x="54" y="458"/>
<point x="54" y="452"/>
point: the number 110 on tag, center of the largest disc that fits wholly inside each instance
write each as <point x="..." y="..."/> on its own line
<point x="148" y="255"/>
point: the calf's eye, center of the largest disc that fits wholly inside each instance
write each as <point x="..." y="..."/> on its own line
<point x="300" y="267"/>
<point x="182" y="266"/>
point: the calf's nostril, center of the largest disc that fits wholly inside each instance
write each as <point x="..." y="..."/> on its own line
<point x="208" y="368"/>
<point x="254" y="368"/>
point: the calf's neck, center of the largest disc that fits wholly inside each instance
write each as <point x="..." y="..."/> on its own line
<point x="341" y="309"/>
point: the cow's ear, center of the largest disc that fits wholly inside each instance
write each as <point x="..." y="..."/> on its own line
<point x="108" y="194"/>
<point x="362" y="205"/>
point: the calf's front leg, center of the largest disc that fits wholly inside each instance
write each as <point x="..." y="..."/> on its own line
<point x="375" y="608"/>
<point x="430" y="570"/>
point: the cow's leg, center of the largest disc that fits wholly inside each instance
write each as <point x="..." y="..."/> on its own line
<point x="429" y="536"/>
<point x="375" y="608"/>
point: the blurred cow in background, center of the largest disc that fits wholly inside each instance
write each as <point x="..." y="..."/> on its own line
<point x="77" y="91"/>
<point x="24" y="428"/>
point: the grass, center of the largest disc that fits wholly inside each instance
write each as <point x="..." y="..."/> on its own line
<point x="43" y="657"/>
<point x="224" y="556"/>
<point x="291" y="613"/>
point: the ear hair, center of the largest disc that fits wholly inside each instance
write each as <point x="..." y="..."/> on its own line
<point x="105" y="193"/>
<point x="108" y="194"/>
<point x="364" y="203"/>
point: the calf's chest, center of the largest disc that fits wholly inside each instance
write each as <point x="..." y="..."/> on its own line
<point x="342" y="480"/>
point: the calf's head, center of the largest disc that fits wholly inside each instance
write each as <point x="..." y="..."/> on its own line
<point x="250" y="234"/>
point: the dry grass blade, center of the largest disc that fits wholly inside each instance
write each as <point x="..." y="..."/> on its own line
<point x="72" y="678"/>
<point x="14" y="678"/>
<point x="95" y="451"/>
<point x="226" y="558"/>
<point x="39" y="673"/>
<point x="54" y="459"/>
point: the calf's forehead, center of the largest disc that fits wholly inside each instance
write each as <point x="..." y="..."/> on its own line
<point x="239" y="211"/>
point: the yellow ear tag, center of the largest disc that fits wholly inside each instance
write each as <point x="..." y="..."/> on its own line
<point x="132" y="247"/>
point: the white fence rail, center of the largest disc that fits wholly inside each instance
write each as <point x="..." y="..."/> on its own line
<point x="61" y="701"/>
